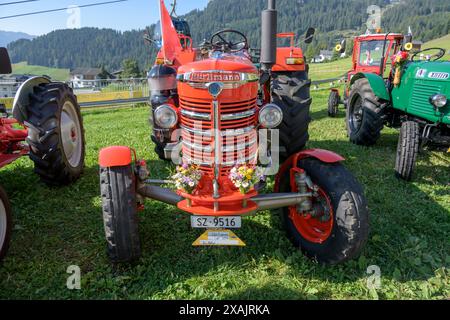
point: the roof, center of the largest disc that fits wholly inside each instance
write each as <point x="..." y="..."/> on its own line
<point x="87" y="71"/>
<point x="381" y="35"/>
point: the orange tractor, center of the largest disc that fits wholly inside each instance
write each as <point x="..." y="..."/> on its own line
<point x="227" y="123"/>
<point x="371" y="54"/>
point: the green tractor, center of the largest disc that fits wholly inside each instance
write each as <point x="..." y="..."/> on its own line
<point x="414" y="98"/>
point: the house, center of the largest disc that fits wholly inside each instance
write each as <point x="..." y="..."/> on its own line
<point x="324" y="55"/>
<point x="87" y="77"/>
<point x="10" y="84"/>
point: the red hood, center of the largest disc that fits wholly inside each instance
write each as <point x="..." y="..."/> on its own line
<point x="226" y="62"/>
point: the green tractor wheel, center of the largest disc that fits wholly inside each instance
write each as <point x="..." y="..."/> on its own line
<point x="407" y="150"/>
<point x="364" y="115"/>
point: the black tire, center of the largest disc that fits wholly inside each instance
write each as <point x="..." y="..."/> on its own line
<point x="5" y="223"/>
<point x="51" y="104"/>
<point x="351" y="214"/>
<point x="159" y="148"/>
<point x="333" y="104"/>
<point x="291" y="92"/>
<point x="364" y="115"/>
<point x="407" y="150"/>
<point x="118" y="191"/>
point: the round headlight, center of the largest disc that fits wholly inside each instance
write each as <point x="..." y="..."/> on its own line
<point x="166" y="117"/>
<point x="270" y="116"/>
<point x="439" y="100"/>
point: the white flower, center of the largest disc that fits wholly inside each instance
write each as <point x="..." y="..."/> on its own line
<point x="245" y="184"/>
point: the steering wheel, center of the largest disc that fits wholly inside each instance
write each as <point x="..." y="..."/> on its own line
<point x="436" y="56"/>
<point x="221" y="41"/>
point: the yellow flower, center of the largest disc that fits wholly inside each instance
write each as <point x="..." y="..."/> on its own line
<point x="250" y="171"/>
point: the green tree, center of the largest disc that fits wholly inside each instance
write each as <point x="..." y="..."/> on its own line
<point x="130" y="69"/>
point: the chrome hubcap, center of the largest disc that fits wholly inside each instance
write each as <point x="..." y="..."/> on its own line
<point x="3" y="224"/>
<point x="71" y="134"/>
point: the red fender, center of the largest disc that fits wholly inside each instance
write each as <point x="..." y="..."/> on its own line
<point x="115" y="157"/>
<point x="319" y="154"/>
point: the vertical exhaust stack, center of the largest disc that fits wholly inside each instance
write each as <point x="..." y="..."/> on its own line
<point x="269" y="36"/>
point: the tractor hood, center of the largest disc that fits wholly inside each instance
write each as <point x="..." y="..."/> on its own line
<point x="221" y="62"/>
<point x="431" y="71"/>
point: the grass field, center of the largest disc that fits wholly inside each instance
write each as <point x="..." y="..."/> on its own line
<point x="54" y="73"/>
<point x="56" y="228"/>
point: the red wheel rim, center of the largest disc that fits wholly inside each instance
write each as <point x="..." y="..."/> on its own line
<point x="311" y="228"/>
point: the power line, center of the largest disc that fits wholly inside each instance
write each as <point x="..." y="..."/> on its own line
<point x="60" y="9"/>
<point x="17" y="2"/>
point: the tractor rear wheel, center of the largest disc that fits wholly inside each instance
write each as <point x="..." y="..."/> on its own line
<point x="5" y="223"/>
<point x="338" y="228"/>
<point x="407" y="150"/>
<point x="333" y="104"/>
<point x="291" y="92"/>
<point x="118" y="191"/>
<point x="364" y="115"/>
<point x="56" y="134"/>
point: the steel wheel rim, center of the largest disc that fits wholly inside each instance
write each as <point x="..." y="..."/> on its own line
<point x="311" y="228"/>
<point x="71" y="134"/>
<point x="3" y="224"/>
<point x="356" y="113"/>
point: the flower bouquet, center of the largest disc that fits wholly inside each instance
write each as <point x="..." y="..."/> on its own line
<point x="187" y="178"/>
<point x="245" y="177"/>
<point x="398" y="60"/>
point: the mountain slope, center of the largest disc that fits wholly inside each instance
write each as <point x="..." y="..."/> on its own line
<point x="7" y="37"/>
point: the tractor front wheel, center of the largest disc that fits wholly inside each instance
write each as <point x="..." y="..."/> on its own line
<point x="364" y="115"/>
<point x="407" y="150"/>
<point x="333" y="104"/>
<point x="337" y="229"/>
<point x="118" y="191"/>
<point x="5" y="223"/>
<point x="55" y="134"/>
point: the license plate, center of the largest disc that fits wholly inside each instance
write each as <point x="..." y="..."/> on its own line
<point x="201" y="222"/>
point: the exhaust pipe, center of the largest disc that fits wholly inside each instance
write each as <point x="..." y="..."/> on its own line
<point x="269" y="21"/>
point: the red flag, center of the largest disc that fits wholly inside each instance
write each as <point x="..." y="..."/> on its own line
<point x="171" y="44"/>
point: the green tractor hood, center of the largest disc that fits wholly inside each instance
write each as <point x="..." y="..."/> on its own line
<point x="421" y="81"/>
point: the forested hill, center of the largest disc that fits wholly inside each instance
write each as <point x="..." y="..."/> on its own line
<point x="90" y="47"/>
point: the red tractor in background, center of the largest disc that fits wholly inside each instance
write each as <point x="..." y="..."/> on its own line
<point x="371" y="53"/>
<point x="46" y="125"/>
<point x="218" y="116"/>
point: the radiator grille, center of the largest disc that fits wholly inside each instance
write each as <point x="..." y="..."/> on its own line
<point x="237" y="125"/>
<point x="420" y="98"/>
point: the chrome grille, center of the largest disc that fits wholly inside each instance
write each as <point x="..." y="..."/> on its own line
<point x="237" y="126"/>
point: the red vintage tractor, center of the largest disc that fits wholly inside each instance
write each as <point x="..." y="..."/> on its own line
<point x="371" y="53"/>
<point x="47" y="126"/>
<point x="219" y="116"/>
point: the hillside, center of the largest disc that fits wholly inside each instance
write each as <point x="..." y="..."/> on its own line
<point x="92" y="47"/>
<point x="6" y="37"/>
<point x="54" y="73"/>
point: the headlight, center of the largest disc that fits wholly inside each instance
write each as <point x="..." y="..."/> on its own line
<point x="166" y="117"/>
<point x="270" y="116"/>
<point x="439" y="100"/>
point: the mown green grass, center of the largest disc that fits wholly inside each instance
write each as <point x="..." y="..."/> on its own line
<point x="56" y="228"/>
<point x="55" y="73"/>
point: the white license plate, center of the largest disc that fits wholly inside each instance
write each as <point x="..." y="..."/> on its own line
<point x="202" y="222"/>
